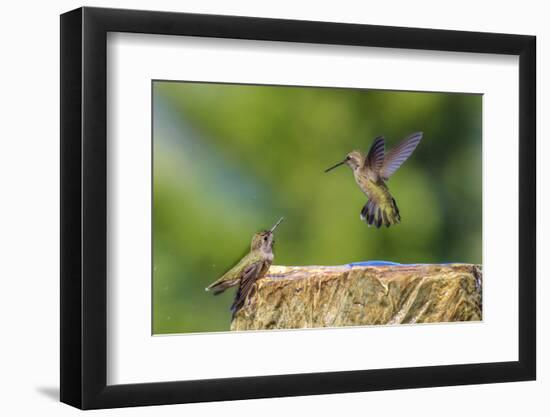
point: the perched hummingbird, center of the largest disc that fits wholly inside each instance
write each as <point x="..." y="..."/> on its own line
<point x="371" y="173"/>
<point x="252" y="267"/>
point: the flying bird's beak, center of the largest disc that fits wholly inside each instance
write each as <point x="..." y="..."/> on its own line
<point x="335" y="166"/>
<point x="277" y="224"/>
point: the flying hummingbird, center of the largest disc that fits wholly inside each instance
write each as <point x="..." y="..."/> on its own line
<point x="371" y="173"/>
<point x="252" y="267"/>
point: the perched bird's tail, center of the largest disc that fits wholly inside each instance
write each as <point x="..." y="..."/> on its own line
<point x="380" y="214"/>
<point x="221" y="285"/>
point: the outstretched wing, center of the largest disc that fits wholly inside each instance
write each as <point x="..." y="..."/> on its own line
<point x="395" y="158"/>
<point x="375" y="157"/>
<point x="249" y="277"/>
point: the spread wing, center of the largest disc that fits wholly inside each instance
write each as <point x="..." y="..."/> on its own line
<point x="395" y="158"/>
<point x="249" y="277"/>
<point x="375" y="157"/>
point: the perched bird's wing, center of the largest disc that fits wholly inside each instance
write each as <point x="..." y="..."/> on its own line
<point x="249" y="277"/>
<point x="395" y="158"/>
<point x="375" y="157"/>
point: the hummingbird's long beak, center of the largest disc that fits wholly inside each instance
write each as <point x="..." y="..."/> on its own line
<point x="277" y="224"/>
<point x="335" y="166"/>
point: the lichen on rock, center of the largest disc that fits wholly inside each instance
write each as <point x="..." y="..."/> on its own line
<point x="335" y="296"/>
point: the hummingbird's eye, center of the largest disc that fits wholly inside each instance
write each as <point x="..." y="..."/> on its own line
<point x="348" y="158"/>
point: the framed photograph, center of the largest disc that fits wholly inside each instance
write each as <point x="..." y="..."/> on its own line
<point x="256" y="208"/>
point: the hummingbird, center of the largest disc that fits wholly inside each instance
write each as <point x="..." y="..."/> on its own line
<point x="371" y="173"/>
<point x="249" y="269"/>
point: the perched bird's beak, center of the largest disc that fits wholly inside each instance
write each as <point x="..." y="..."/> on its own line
<point x="277" y="224"/>
<point x="335" y="166"/>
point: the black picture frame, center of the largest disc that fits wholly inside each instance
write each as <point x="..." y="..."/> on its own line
<point x="84" y="207"/>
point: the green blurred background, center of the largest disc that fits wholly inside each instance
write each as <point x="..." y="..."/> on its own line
<point x="229" y="160"/>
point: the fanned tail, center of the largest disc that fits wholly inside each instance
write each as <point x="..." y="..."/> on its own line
<point x="377" y="215"/>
